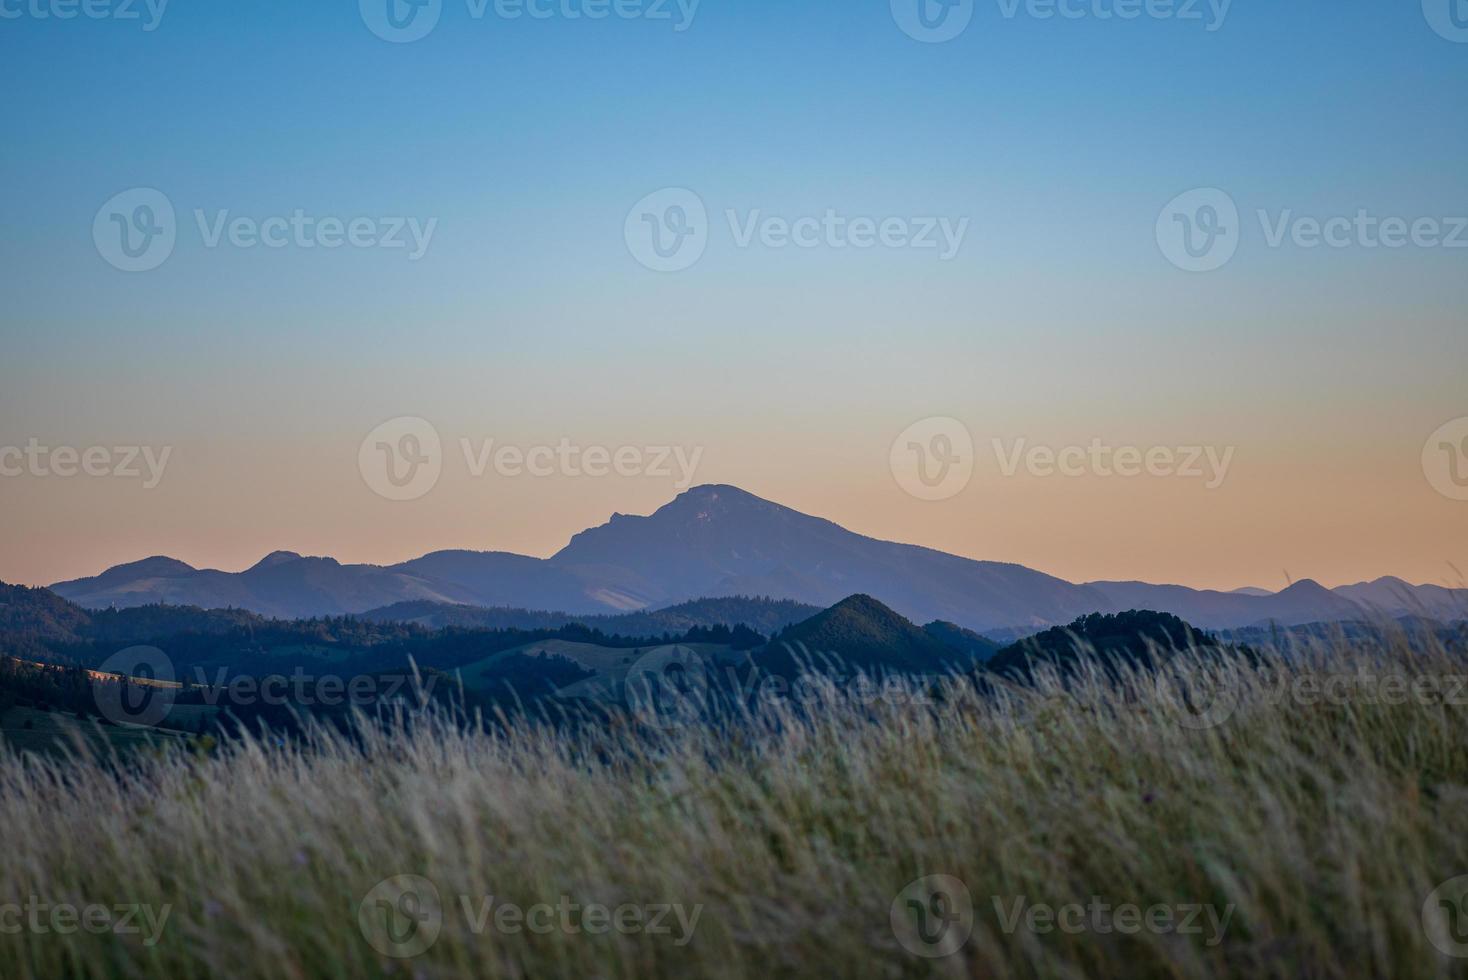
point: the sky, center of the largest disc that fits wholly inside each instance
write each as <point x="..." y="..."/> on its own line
<point x="279" y="249"/>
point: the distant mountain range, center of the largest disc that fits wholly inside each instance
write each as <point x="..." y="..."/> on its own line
<point x="719" y="541"/>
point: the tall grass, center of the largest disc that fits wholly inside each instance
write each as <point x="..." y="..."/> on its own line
<point x="1323" y="823"/>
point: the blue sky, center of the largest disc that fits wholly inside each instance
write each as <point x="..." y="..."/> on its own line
<point x="529" y="140"/>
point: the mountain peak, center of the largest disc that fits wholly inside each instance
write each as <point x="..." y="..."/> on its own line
<point x="157" y="565"/>
<point x="715" y="489"/>
<point x="275" y="558"/>
<point x="864" y="634"/>
<point x="715" y="494"/>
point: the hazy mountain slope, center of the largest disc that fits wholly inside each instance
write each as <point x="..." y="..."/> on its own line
<point x="719" y="540"/>
<point x="155" y="580"/>
<point x="41" y="613"/>
<point x="498" y="578"/>
<point x="1394" y="597"/>
<point x="283" y="585"/>
<point x="1303" y="602"/>
<point x="288" y="585"/>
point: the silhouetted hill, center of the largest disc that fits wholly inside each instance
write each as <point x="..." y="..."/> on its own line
<point x="859" y="633"/>
<point x="1123" y="638"/>
<point x="41" y="613"/>
<point x="762" y="615"/>
<point x="966" y="642"/>
<point x="283" y="585"/>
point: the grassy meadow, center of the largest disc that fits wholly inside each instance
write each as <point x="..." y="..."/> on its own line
<point x="1290" y="818"/>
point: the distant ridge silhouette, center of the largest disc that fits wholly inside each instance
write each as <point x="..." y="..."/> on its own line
<point x="721" y="541"/>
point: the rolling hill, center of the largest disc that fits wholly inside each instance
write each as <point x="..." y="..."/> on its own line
<point x="1131" y="637"/>
<point x="860" y="634"/>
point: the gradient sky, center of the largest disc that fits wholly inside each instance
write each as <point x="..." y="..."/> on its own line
<point x="529" y="321"/>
